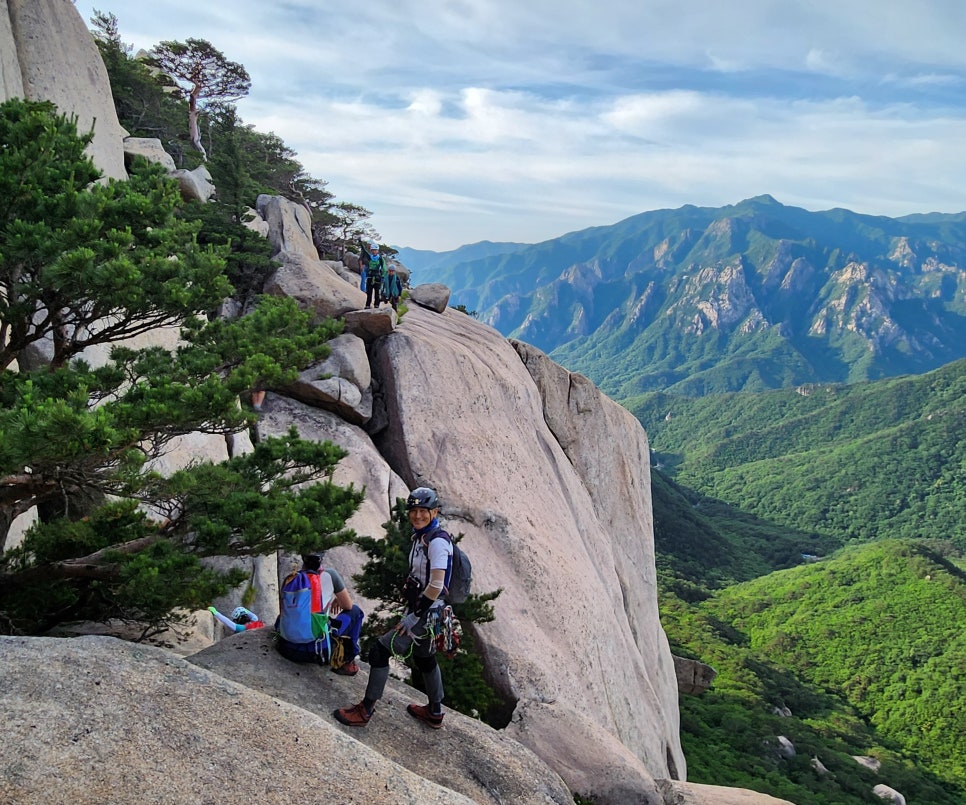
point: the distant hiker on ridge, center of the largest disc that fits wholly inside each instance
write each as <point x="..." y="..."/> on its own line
<point x="392" y="287"/>
<point x="374" y="272"/>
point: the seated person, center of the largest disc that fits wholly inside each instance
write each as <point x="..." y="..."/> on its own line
<point x="328" y="594"/>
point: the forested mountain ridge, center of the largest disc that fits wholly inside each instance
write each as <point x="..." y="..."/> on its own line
<point x="432" y="263"/>
<point x="750" y="296"/>
<point x="860" y="654"/>
<point x="862" y="647"/>
<point x="864" y="461"/>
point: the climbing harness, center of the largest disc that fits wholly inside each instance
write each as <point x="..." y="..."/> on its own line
<point x="442" y="627"/>
<point x="430" y="633"/>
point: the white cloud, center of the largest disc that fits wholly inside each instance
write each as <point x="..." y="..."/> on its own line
<point x="501" y="120"/>
<point x="426" y="102"/>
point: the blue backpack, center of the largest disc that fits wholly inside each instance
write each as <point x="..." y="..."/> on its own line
<point x="303" y="635"/>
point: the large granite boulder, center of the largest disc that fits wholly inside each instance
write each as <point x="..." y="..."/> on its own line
<point x="694" y="677"/>
<point x="47" y="54"/>
<point x="363" y="467"/>
<point x="679" y="793"/>
<point x="195" y="184"/>
<point x="289" y="225"/>
<point x="600" y="704"/>
<point x="151" y="149"/>
<point x="371" y="324"/>
<point x="889" y="794"/>
<point x="314" y="285"/>
<point x="341" y="383"/>
<point x="432" y="295"/>
<point x="96" y="719"/>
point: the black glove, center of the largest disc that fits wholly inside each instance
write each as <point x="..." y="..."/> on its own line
<point x="423" y="605"/>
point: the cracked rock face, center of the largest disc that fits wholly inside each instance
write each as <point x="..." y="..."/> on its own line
<point x="47" y="54"/>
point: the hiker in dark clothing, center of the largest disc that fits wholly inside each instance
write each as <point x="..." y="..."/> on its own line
<point x="392" y="287"/>
<point x="430" y="566"/>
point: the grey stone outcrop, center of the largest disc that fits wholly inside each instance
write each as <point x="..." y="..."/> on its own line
<point x="255" y="222"/>
<point x="872" y="763"/>
<point x="469" y="419"/>
<point x="345" y="271"/>
<point x="195" y="184"/>
<point x="47" y="54"/>
<point x="95" y="719"/>
<point x="889" y="794"/>
<point x="693" y="677"/>
<point x="341" y="383"/>
<point x="363" y="466"/>
<point x="151" y="149"/>
<point x="315" y="286"/>
<point x="433" y="295"/>
<point x="680" y="793"/>
<point x="371" y="324"/>
<point x="478" y="762"/>
<point x="289" y="226"/>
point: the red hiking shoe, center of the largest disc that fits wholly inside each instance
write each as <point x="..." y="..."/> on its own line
<point x="422" y="712"/>
<point x="355" y="716"/>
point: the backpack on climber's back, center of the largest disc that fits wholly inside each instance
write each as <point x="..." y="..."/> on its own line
<point x="461" y="575"/>
<point x="303" y="635"/>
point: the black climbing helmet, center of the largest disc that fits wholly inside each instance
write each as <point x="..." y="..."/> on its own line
<point x="422" y="498"/>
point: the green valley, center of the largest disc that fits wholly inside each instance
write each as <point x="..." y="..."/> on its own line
<point x="858" y="655"/>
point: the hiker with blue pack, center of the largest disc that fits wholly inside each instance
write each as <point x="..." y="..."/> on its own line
<point x="317" y="620"/>
<point x="430" y="573"/>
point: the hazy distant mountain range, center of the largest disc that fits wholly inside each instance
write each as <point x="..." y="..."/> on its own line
<point x="751" y="296"/>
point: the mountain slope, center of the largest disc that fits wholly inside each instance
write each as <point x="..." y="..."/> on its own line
<point x="880" y="625"/>
<point x="704" y="543"/>
<point x="856" y="655"/>
<point x="850" y="462"/>
<point x="750" y="296"/>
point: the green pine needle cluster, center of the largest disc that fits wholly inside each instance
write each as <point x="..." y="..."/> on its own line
<point x="87" y="265"/>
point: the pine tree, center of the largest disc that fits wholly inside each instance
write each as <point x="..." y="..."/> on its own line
<point x="86" y="264"/>
<point x="203" y="75"/>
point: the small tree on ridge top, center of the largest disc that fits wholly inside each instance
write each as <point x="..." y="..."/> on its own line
<point x="202" y="73"/>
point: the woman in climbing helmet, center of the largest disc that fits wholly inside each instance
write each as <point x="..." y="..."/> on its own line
<point x="430" y="562"/>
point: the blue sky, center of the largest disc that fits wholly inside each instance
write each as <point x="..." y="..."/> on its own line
<point x="456" y="121"/>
